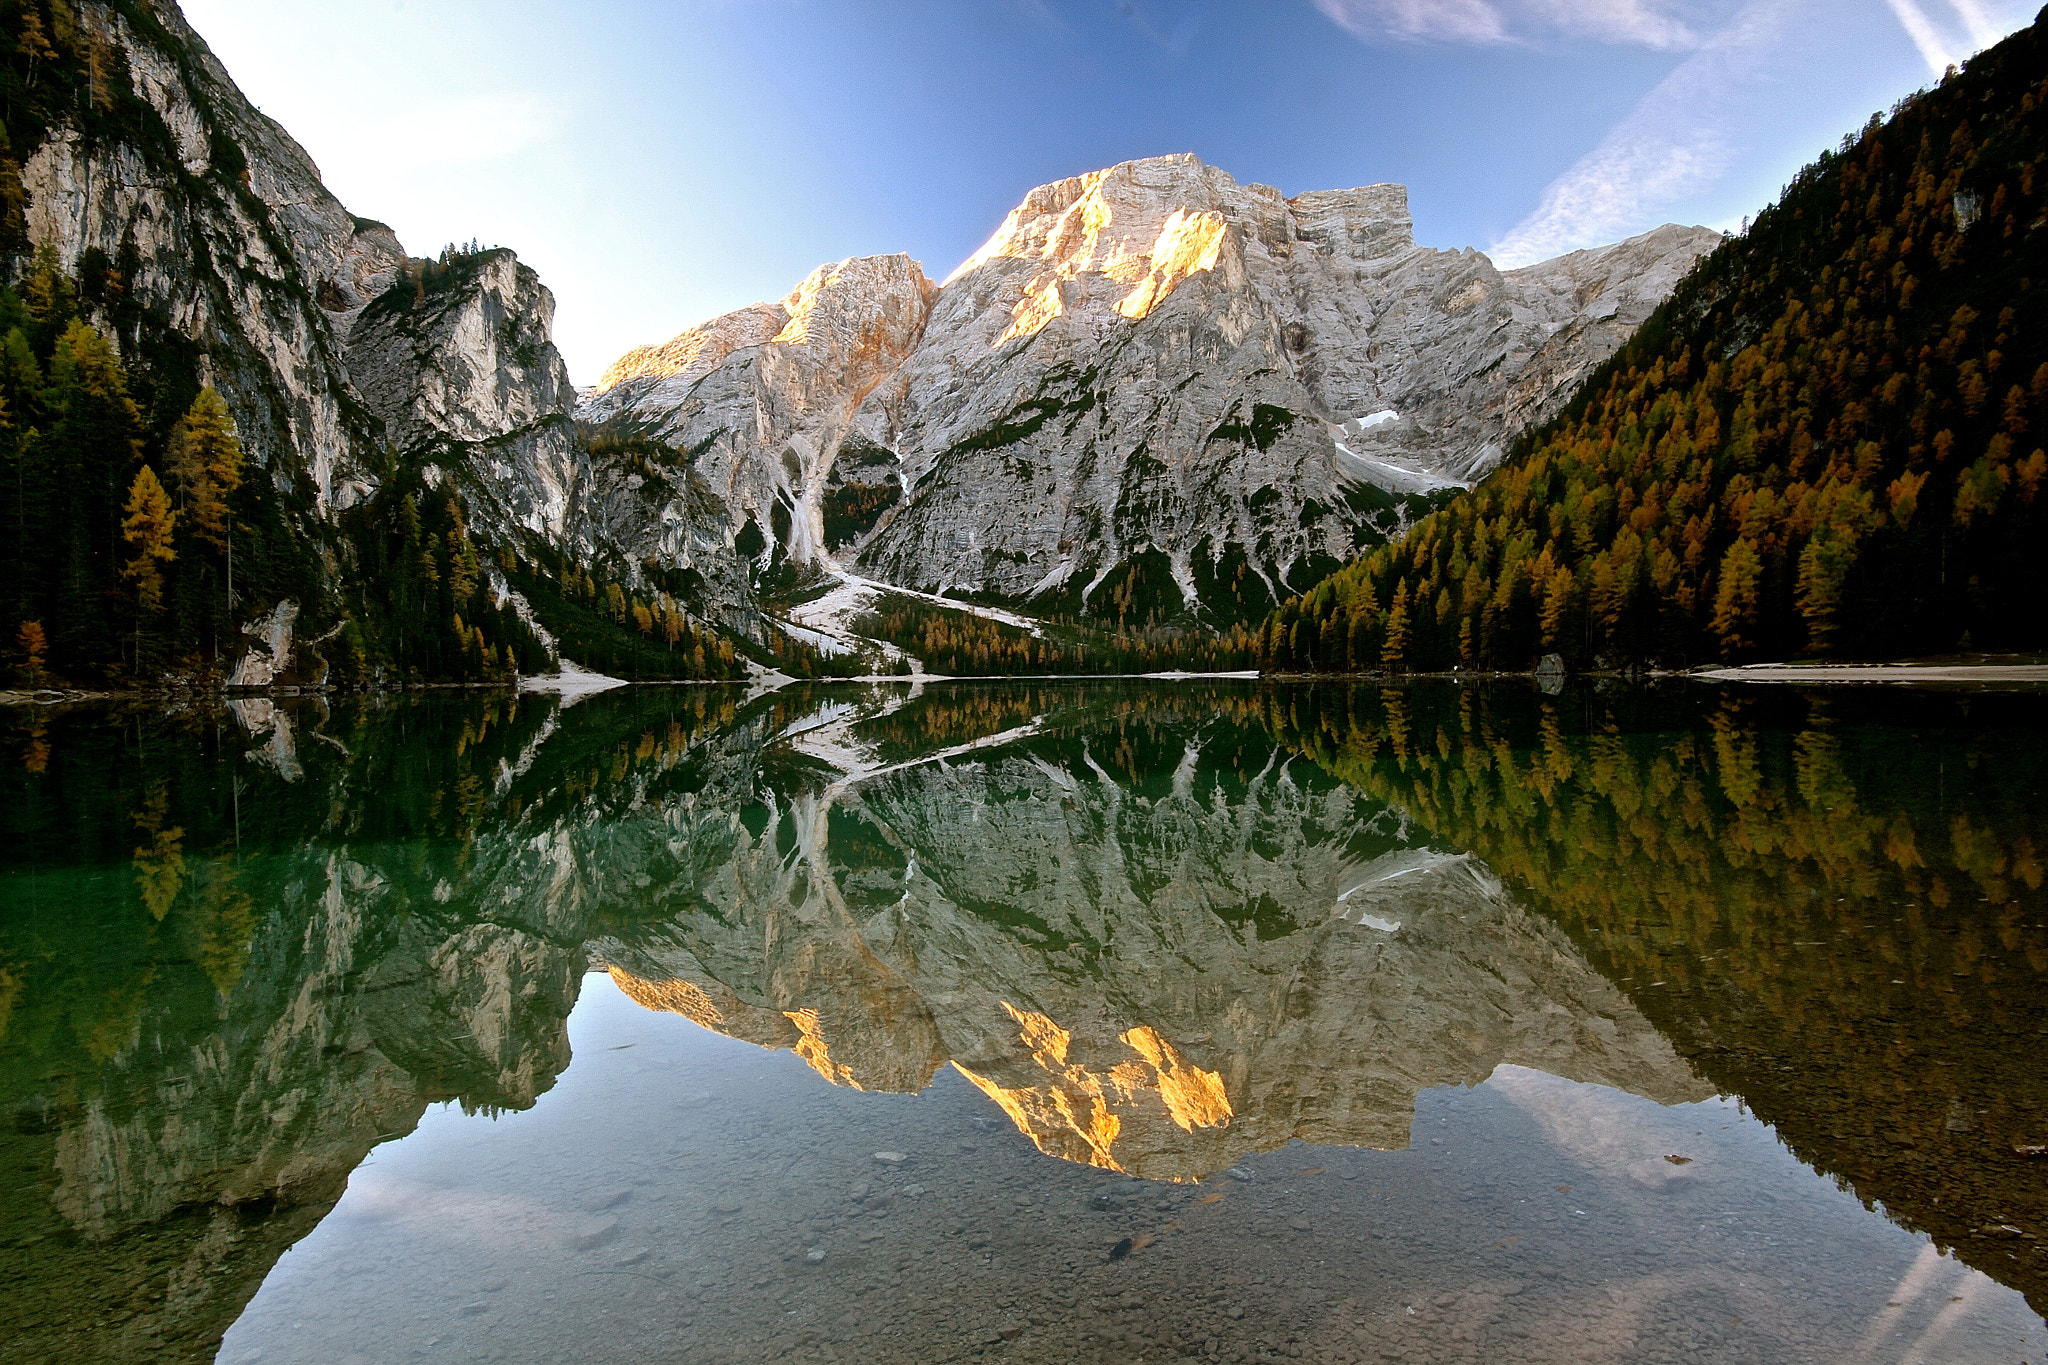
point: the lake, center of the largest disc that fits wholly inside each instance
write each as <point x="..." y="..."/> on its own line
<point x="1090" y="1021"/>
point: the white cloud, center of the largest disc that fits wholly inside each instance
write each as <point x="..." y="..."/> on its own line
<point x="1670" y="146"/>
<point x="1914" y="20"/>
<point x="1462" y="21"/>
<point x="1681" y="138"/>
<point x="1635" y="23"/>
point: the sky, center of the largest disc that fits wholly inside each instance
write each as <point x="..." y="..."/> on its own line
<point x="660" y="162"/>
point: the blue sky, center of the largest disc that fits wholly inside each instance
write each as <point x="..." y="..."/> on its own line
<point x="660" y="163"/>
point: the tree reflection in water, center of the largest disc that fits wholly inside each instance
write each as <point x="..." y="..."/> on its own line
<point x="1161" y="925"/>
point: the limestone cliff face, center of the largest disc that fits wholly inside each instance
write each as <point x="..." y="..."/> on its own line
<point x="764" y="399"/>
<point x="469" y="380"/>
<point x="232" y="241"/>
<point x="1155" y="977"/>
<point x="232" y="254"/>
<point x="1148" y="360"/>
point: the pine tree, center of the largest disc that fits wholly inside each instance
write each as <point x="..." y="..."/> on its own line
<point x="33" y="43"/>
<point x="204" y="460"/>
<point x="148" y="527"/>
<point x="1735" y="602"/>
<point x="34" y="650"/>
<point x="1394" y="651"/>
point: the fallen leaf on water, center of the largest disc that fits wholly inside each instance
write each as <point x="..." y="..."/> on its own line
<point x="1564" y="1189"/>
<point x="1210" y="1198"/>
<point x="1142" y="1240"/>
<point x="1318" y="1170"/>
<point x="1679" y="1160"/>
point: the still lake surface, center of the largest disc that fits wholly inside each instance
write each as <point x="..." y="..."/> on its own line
<point x="1091" y="1021"/>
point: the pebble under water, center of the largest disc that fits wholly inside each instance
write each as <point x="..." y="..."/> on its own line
<point x="668" y="1201"/>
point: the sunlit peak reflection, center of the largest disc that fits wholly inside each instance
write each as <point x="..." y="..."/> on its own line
<point x="816" y="1052"/>
<point x="1127" y="943"/>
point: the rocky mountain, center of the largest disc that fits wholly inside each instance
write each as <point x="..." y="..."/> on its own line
<point x="1198" y="393"/>
<point x="1202" y="390"/>
<point x="196" y="236"/>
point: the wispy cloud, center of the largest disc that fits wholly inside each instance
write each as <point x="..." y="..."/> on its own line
<point x="1673" y="144"/>
<point x="1635" y="23"/>
<point x="1684" y="136"/>
<point x="1914" y="20"/>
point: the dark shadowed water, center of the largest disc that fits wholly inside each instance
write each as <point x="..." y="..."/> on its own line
<point x="1066" y="1022"/>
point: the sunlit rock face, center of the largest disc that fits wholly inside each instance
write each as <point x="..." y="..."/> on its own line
<point x="764" y="399"/>
<point x="240" y="273"/>
<point x="1205" y="955"/>
<point x="1152" y="366"/>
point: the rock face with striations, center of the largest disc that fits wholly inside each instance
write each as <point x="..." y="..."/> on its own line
<point x="232" y="244"/>
<point x="1204" y="388"/>
<point x="305" y="317"/>
<point x="468" y="379"/>
<point x="764" y="401"/>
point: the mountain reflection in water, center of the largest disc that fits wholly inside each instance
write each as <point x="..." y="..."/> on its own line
<point x="1161" y="926"/>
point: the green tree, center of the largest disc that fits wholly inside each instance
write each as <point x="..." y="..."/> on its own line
<point x="204" y="460"/>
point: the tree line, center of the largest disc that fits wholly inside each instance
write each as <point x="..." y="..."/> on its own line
<point x="959" y="643"/>
<point x="1828" y="442"/>
<point x="125" y="547"/>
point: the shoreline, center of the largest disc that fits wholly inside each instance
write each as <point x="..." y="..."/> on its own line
<point x="1901" y="672"/>
<point x="1877" y="673"/>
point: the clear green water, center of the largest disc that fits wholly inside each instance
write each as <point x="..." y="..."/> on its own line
<point x="1074" y="1022"/>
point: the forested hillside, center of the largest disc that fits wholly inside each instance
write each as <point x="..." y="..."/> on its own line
<point x="185" y="460"/>
<point x="135" y="536"/>
<point x="1828" y="442"/>
<point x="128" y="543"/>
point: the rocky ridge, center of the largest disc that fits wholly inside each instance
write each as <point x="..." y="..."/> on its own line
<point x="238" y="269"/>
<point x="1151" y="367"/>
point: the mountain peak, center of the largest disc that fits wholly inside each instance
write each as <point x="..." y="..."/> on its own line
<point x="1148" y="371"/>
<point x="882" y="296"/>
